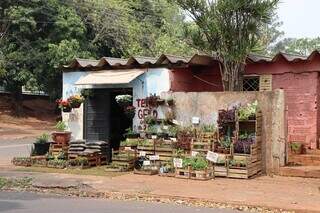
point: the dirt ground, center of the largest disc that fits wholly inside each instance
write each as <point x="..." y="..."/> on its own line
<point x="38" y="118"/>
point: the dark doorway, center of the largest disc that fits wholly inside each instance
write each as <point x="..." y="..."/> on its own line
<point x="104" y="119"/>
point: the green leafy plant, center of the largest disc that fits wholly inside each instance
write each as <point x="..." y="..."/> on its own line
<point x="225" y="142"/>
<point x="62" y="156"/>
<point x="124" y="100"/>
<point x="61" y="126"/>
<point x="296" y="147"/>
<point x="245" y="112"/>
<point x="197" y="163"/>
<point x="172" y="131"/>
<point x="152" y="130"/>
<point x="86" y="93"/>
<point x="208" y="128"/>
<point x="150" y="120"/>
<point x="44" y="138"/>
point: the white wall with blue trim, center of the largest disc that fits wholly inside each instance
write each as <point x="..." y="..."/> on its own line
<point x="153" y="81"/>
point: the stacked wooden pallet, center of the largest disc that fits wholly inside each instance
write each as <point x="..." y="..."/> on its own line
<point x="123" y="159"/>
<point x="188" y="173"/>
<point x="76" y="148"/>
<point x="203" y="143"/>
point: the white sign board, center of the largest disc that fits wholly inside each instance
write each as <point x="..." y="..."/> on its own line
<point x="177" y="162"/>
<point x="146" y="163"/>
<point x="154" y="157"/>
<point x="195" y="120"/>
<point x="194" y="153"/>
<point x="128" y="148"/>
<point x="212" y="156"/>
<point x="142" y="153"/>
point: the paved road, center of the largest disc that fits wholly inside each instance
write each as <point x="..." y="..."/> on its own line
<point x="14" y="148"/>
<point x="28" y="202"/>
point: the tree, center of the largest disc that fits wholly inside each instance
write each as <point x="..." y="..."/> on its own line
<point x="229" y="28"/>
<point x="298" y="46"/>
<point x="34" y="33"/>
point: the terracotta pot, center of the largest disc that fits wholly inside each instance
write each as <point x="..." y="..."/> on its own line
<point x="62" y="138"/>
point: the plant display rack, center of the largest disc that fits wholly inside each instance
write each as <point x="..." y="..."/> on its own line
<point x="183" y="173"/>
<point x="249" y="165"/>
<point x="204" y="142"/>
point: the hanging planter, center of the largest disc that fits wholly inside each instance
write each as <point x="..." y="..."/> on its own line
<point x="64" y="105"/>
<point x="124" y="100"/>
<point x="130" y="111"/>
<point x="75" y="101"/>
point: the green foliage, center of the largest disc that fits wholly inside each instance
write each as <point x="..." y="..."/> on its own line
<point x="208" y="128"/>
<point x="229" y="28"/>
<point x="225" y="142"/>
<point x="173" y="130"/>
<point x="150" y="120"/>
<point x="197" y="163"/>
<point x="124" y="100"/>
<point x="152" y="129"/>
<point x="61" y="126"/>
<point x="298" y="46"/>
<point x="245" y="112"/>
<point x="295" y="146"/>
<point x="44" y="138"/>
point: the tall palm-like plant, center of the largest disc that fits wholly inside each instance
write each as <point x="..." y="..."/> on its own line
<point x="230" y="29"/>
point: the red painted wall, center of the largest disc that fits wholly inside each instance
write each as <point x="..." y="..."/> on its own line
<point x="188" y="80"/>
<point x="300" y="81"/>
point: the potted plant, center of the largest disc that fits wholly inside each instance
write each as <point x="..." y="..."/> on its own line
<point x="124" y="100"/>
<point x="152" y="100"/>
<point x="150" y="120"/>
<point x="41" y="145"/>
<point x="86" y="93"/>
<point x="172" y="132"/>
<point x="61" y="136"/>
<point x="296" y="147"/>
<point x="224" y="145"/>
<point x="248" y="112"/>
<point x="131" y="134"/>
<point x="75" y="101"/>
<point x="130" y="111"/>
<point x="152" y="132"/>
<point x="64" y="105"/>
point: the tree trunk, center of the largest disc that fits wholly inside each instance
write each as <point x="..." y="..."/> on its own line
<point x="17" y="101"/>
<point x="232" y="75"/>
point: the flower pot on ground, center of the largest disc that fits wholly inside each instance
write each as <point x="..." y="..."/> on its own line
<point x="75" y="101"/>
<point x="41" y="146"/>
<point x="61" y="136"/>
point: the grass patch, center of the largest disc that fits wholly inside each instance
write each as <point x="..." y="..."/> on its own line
<point x="15" y="182"/>
<point x="97" y="171"/>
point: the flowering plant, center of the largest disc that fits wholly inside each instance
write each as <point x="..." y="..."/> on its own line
<point x="75" y="101"/>
<point x="124" y="100"/>
<point x="64" y="105"/>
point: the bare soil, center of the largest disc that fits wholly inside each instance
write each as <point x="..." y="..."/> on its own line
<point x="39" y="117"/>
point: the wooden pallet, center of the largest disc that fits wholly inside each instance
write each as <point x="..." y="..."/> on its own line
<point x="207" y="174"/>
<point x="220" y="171"/>
<point x="183" y="173"/>
<point x="201" y="146"/>
<point x="246" y="172"/>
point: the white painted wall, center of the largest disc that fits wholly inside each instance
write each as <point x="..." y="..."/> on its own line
<point x="153" y="81"/>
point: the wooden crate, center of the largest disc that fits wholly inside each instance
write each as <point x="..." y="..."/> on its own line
<point x="207" y="174"/>
<point x="246" y="172"/>
<point x="220" y="171"/>
<point x="55" y="149"/>
<point x="183" y="173"/>
<point x="165" y="153"/>
<point x="201" y="146"/>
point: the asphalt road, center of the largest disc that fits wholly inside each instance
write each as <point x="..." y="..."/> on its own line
<point x="14" y="148"/>
<point x="29" y="202"/>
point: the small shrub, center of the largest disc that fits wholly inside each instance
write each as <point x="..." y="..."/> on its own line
<point x="44" y="138"/>
<point x="61" y="126"/>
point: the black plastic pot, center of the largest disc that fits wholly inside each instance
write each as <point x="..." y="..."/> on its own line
<point x="41" y="148"/>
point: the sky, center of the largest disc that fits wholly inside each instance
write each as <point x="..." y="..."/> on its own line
<point x="300" y="18"/>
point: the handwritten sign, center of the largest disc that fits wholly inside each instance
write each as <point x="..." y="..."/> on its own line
<point x="195" y="120"/>
<point x="177" y="162"/>
<point x="146" y="163"/>
<point x="212" y="156"/>
<point x="154" y="157"/>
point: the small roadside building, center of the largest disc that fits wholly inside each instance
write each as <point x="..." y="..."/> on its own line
<point x="297" y="76"/>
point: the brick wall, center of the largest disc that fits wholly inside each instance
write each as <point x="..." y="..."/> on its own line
<point x="301" y="103"/>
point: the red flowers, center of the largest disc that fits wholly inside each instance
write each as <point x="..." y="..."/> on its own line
<point x="64" y="105"/>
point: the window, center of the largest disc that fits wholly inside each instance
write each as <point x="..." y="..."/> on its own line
<point x="251" y="83"/>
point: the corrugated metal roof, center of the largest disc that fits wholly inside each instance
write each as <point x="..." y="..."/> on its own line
<point x="167" y="60"/>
